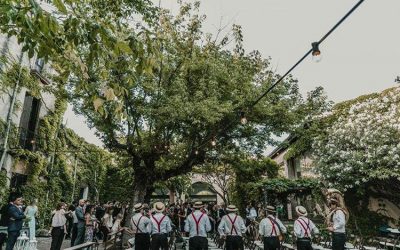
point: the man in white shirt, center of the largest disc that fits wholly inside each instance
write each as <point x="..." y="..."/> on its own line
<point x="303" y="228"/>
<point x="231" y="228"/>
<point x="160" y="227"/>
<point x="338" y="225"/>
<point x="271" y="228"/>
<point x="141" y="227"/>
<point x="197" y="225"/>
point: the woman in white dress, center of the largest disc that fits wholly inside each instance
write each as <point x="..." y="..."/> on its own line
<point x="31" y="212"/>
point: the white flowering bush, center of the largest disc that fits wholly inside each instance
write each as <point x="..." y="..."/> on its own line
<point x="362" y="142"/>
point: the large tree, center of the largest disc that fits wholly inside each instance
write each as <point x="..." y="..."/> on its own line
<point x="157" y="91"/>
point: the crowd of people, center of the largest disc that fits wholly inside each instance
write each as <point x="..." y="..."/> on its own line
<point x="150" y="226"/>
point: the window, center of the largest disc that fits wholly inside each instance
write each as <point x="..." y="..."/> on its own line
<point x="294" y="170"/>
<point x="17" y="181"/>
<point x="29" y="122"/>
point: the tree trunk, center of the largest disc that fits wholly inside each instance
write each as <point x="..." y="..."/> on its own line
<point x="171" y="196"/>
<point x="140" y="192"/>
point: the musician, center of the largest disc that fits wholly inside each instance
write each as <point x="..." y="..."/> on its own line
<point x="271" y="228"/>
<point x="337" y="224"/>
<point x="161" y="226"/>
<point x="197" y="225"/>
<point x="141" y="227"/>
<point x="232" y="227"/>
<point x="303" y="228"/>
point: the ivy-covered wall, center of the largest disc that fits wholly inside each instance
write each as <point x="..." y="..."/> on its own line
<point x="58" y="151"/>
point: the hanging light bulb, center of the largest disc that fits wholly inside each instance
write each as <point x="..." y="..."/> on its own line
<point x="243" y="119"/>
<point x="213" y="142"/>
<point x="316" y="53"/>
<point x="196" y="152"/>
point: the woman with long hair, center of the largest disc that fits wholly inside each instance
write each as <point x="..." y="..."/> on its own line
<point x="31" y="212"/>
<point x="90" y="223"/>
<point x="107" y="221"/>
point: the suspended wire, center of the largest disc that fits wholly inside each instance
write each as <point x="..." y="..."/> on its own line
<point x="270" y="88"/>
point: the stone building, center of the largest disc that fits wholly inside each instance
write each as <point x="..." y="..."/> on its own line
<point x="292" y="167"/>
<point x="24" y="111"/>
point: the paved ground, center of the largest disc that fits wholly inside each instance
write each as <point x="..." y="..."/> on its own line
<point x="45" y="243"/>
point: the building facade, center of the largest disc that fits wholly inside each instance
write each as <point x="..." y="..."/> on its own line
<point x="20" y="110"/>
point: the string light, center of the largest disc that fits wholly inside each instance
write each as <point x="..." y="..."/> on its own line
<point x="213" y="142"/>
<point x="316" y="53"/>
<point x="196" y="152"/>
<point x="243" y="119"/>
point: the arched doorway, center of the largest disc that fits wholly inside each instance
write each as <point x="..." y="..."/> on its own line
<point x="201" y="191"/>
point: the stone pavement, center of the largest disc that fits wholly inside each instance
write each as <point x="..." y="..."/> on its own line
<point x="44" y="243"/>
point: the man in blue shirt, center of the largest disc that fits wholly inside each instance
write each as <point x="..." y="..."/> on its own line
<point x="15" y="220"/>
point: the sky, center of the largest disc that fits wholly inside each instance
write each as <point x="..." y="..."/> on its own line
<point x="361" y="56"/>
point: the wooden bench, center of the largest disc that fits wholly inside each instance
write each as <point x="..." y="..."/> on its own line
<point x="88" y="245"/>
<point x="110" y="242"/>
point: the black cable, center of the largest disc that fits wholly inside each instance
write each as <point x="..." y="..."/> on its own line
<point x="298" y="62"/>
<point x="287" y="73"/>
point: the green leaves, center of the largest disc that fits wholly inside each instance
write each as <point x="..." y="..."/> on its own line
<point x="97" y="103"/>
<point x="123" y="48"/>
<point x="151" y="89"/>
<point x="60" y="6"/>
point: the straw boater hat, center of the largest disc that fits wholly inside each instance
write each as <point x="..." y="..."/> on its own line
<point x="198" y="204"/>
<point x="137" y="207"/>
<point x="302" y="211"/>
<point x="159" y="207"/>
<point x="232" y="208"/>
<point x="270" y="209"/>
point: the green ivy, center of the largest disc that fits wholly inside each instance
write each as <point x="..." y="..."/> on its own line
<point x="3" y="184"/>
<point x="283" y="185"/>
<point x="50" y="181"/>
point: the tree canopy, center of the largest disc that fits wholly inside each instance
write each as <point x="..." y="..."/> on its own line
<point x="157" y="90"/>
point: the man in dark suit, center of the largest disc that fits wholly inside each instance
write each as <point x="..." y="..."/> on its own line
<point x="15" y="220"/>
<point x="80" y="215"/>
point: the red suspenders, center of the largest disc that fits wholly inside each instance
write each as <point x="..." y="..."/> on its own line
<point x="137" y="225"/>
<point x="273" y="231"/>
<point x="158" y="222"/>
<point x="233" y="224"/>
<point x="306" y="229"/>
<point x="197" y="222"/>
